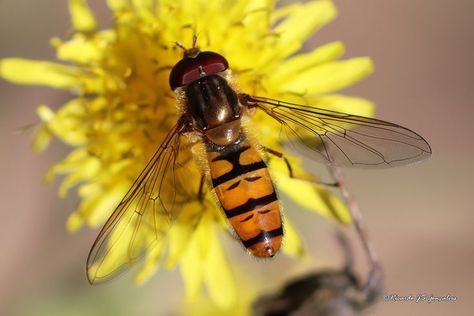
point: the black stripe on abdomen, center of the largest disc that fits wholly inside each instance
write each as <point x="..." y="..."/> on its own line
<point x="238" y="170"/>
<point x="263" y="236"/>
<point x="251" y="205"/>
<point x="231" y="153"/>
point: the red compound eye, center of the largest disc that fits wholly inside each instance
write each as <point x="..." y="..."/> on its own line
<point x="187" y="69"/>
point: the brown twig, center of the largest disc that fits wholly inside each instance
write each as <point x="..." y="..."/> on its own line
<point x="374" y="280"/>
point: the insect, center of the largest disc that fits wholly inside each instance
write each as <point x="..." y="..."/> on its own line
<point x="212" y="115"/>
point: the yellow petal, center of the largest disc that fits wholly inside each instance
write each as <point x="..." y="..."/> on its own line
<point x="292" y="243"/>
<point x="45" y="113"/>
<point x="42" y="139"/>
<point x="294" y="26"/>
<point x="343" y="103"/>
<point x="99" y="207"/>
<point x="151" y="265"/>
<point x="97" y="202"/>
<point x="317" y="200"/>
<point x="68" y="123"/>
<point x="82" y="17"/>
<point x="119" y="250"/>
<point x="306" y="194"/>
<point x="179" y="238"/>
<point x="25" y="71"/>
<point x="118" y="5"/>
<point x="303" y="62"/>
<point x="74" y="222"/>
<point x="74" y="159"/>
<point x="191" y="266"/>
<point x="144" y="4"/>
<point x="79" y="49"/>
<point x="330" y="76"/>
<point x="86" y="170"/>
<point x="303" y="22"/>
<point x="219" y="279"/>
<point x="181" y="232"/>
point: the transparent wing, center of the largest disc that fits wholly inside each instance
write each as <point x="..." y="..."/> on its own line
<point x="344" y="139"/>
<point x="143" y="216"/>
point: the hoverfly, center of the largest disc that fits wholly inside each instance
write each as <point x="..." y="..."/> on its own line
<point x="211" y="115"/>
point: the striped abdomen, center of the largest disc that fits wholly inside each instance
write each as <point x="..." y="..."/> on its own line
<point x="245" y="190"/>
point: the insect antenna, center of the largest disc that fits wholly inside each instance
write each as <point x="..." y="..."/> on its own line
<point x="189" y="52"/>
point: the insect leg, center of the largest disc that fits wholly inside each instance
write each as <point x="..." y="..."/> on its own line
<point x="200" y="194"/>
<point x="290" y="169"/>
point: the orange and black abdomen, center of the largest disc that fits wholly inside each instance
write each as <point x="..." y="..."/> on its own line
<point x="246" y="193"/>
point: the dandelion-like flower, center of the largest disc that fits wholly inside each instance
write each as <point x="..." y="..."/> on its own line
<point x="122" y="108"/>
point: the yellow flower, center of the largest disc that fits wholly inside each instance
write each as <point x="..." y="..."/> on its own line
<point x="122" y="107"/>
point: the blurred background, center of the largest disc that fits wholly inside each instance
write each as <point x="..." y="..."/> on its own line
<point x="420" y="217"/>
